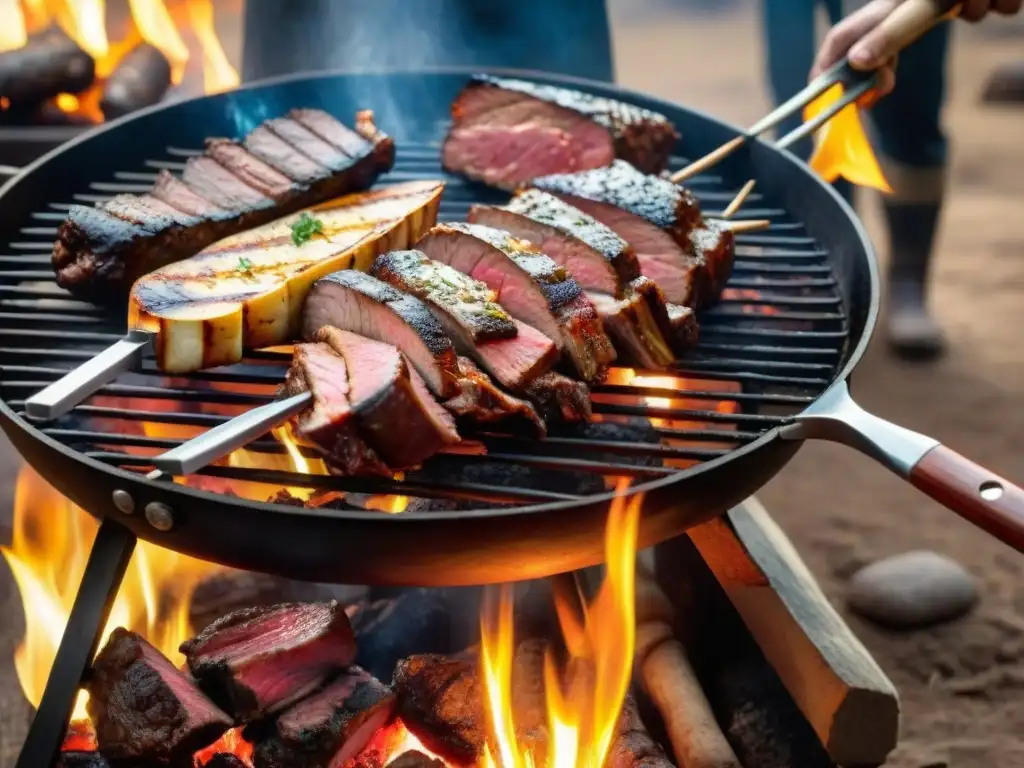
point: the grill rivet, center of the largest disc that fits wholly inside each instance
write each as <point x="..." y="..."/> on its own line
<point x="124" y="501"/>
<point x="160" y="516"/>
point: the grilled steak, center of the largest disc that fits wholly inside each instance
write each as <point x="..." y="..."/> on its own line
<point x="632" y="746"/>
<point x="330" y="727"/>
<point x="480" y="404"/>
<point x="99" y="255"/>
<point x="506" y="132"/>
<point x="396" y="414"/>
<point x="685" y="329"/>
<point x="599" y="259"/>
<point x="632" y="324"/>
<point x="330" y="423"/>
<point x="655" y="217"/>
<point x="260" y="660"/>
<point x="511" y="351"/>
<point x="355" y="301"/>
<point x="715" y="245"/>
<point x="558" y="398"/>
<point x="532" y="287"/>
<point x="246" y="291"/>
<point x="145" y="710"/>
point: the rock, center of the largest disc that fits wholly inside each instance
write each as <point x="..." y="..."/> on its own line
<point x="911" y="590"/>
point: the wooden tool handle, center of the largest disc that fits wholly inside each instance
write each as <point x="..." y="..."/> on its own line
<point x="985" y="499"/>
<point x="911" y="20"/>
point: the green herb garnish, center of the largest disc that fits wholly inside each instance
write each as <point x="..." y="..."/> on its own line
<point x="305" y="227"/>
<point x="244" y="266"/>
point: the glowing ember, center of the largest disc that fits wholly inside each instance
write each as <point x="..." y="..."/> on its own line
<point x="47" y="556"/>
<point x="842" y="148"/>
<point x="585" y="698"/>
<point x="232" y="743"/>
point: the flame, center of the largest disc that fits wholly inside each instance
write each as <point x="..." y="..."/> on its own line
<point x="232" y="743"/>
<point x="842" y="148"/>
<point x="156" y="27"/>
<point x="583" y="700"/>
<point x="13" y="31"/>
<point x="218" y="74"/>
<point x="50" y="545"/>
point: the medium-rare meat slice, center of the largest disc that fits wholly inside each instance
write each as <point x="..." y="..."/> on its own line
<point x="531" y="286"/>
<point x="355" y="301"/>
<point x="481" y="404"/>
<point x="467" y="312"/>
<point x="397" y="416"/>
<point x="656" y="217"/>
<point x="260" y="660"/>
<point x="143" y="709"/>
<point x="247" y="291"/>
<point x="505" y="132"/>
<point x="329" y="423"/>
<point x="598" y="258"/>
<point x="330" y="727"/>
<point x="229" y="189"/>
<point x="631" y="323"/>
<point x="559" y="398"/>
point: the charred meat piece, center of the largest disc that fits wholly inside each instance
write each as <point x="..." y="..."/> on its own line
<point x="598" y="258"/>
<point x="655" y="216"/>
<point x="685" y="329"/>
<point x="331" y="726"/>
<point x="632" y="746"/>
<point x="506" y="132"/>
<point x="481" y="404"/>
<point x="145" y="710"/>
<point x="531" y="286"/>
<point x="354" y="301"/>
<point x="512" y="352"/>
<point x="631" y="324"/>
<point x="330" y="422"/>
<point x="397" y="416"/>
<point x="98" y="256"/>
<point x="558" y="398"/>
<point x="715" y="246"/>
<point x="260" y="660"/>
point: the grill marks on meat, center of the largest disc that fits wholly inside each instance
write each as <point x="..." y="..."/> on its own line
<point x="511" y="351"/>
<point x="397" y="416"/>
<point x="506" y="132"/>
<point x="246" y="291"/>
<point x="260" y="660"/>
<point x="331" y="726"/>
<point x="145" y="710"/>
<point x="357" y="302"/>
<point x="232" y="187"/>
<point x="656" y="217"/>
<point x="531" y="286"/>
<point x="480" y="404"/>
<point x="599" y="259"/>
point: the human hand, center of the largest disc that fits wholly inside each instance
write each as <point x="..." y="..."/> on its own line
<point x="862" y="38"/>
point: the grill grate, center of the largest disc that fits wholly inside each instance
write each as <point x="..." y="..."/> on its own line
<point x="767" y="350"/>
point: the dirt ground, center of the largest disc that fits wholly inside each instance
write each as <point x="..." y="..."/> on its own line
<point x="962" y="685"/>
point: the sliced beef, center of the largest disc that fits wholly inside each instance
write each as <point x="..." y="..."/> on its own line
<point x="531" y="286"/>
<point x="632" y="746"/>
<point x="598" y="258"/>
<point x="715" y="246"/>
<point x="395" y="412"/>
<point x="354" y="301"/>
<point x="636" y="334"/>
<point x="330" y="422"/>
<point x="511" y="351"/>
<point x="231" y="188"/>
<point x="481" y="404"/>
<point x="655" y="216"/>
<point x="685" y="330"/>
<point x="506" y="132"/>
<point x="558" y="398"/>
<point x="145" y="710"/>
<point x="330" y="727"/>
<point x="260" y="660"/>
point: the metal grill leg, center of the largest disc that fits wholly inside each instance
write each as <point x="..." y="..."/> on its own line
<point x="103" y="573"/>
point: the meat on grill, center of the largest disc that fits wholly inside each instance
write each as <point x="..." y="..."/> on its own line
<point x="330" y="422"/>
<point x="599" y="259"/>
<point x="396" y="414"/>
<point x="260" y="660"/>
<point x="683" y="321"/>
<point x="559" y="398"/>
<point x="330" y="727"/>
<point x="531" y="286"/>
<point x="246" y="291"/>
<point x="634" y="323"/>
<point x="100" y="252"/>
<point x="506" y="132"/>
<point x="355" y="301"/>
<point x="143" y="709"/>
<point x="654" y="216"/>
<point x="510" y="351"/>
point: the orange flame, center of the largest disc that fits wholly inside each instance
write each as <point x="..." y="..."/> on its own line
<point x="47" y="556"/>
<point x="583" y="710"/>
<point x="13" y="30"/>
<point x="842" y="149"/>
<point x="218" y="74"/>
<point x="156" y="27"/>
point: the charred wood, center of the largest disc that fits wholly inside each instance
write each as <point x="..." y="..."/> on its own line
<point x="414" y="759"/>
<point x="48" y="64"/>
<point x="141" y="79"/>
<point x="633" y="746"/>
<point x="82" y="760"/>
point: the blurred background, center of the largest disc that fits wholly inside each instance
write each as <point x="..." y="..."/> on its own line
<point x="962" y="684"/>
